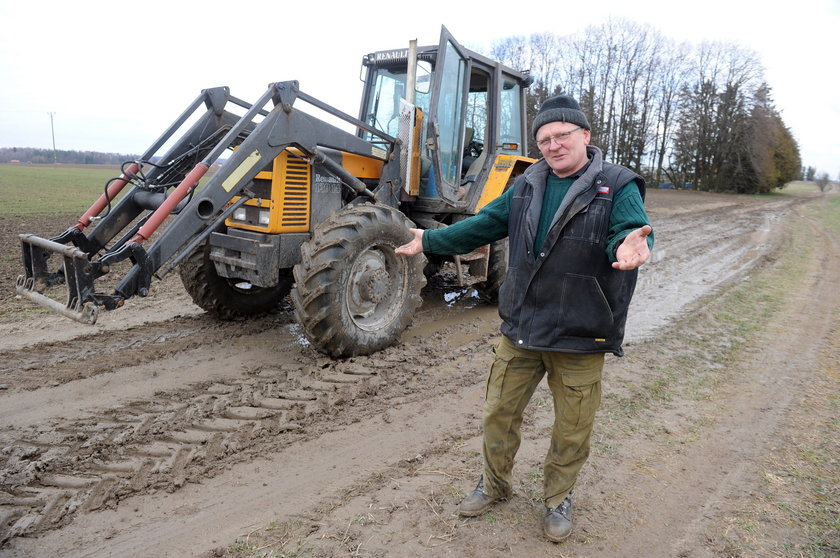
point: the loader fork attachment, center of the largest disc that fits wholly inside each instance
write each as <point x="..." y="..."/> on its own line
<point x="170" y="188"/>
<point x="76" y="272"/>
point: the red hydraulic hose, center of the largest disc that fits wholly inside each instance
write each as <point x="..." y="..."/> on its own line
<point x="113" y="189"/>
<point x="179" y="193"/>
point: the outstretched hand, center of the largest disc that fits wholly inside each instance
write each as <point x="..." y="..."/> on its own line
<point x="633" y="251"/>
<point x="414" y="247"/>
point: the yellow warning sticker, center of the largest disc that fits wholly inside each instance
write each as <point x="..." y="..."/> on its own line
<point x="241" y="170"/>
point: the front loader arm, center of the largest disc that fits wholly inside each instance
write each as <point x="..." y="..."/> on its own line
<point x="197" y="211"/>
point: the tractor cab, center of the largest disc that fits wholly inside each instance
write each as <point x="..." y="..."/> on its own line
<point x="303" y="207"/>
<point x="470" y="110"/>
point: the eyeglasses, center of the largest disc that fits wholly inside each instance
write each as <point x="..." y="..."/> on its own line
<point x="559" y="139"/>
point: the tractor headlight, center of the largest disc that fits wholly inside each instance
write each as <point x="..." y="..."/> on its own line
<point x="265" y="215"/>
<point x="239" y="214"/>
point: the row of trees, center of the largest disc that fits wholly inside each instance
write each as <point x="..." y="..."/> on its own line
<point x="680" y="113"/>
<point x="37" y="156"/>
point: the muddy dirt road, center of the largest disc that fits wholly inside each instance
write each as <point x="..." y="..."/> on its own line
<point x="161" y="432"/>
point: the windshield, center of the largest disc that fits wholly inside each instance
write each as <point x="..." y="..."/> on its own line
<point x="383" y="108"/>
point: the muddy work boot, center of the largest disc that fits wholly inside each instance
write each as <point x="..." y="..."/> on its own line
<point x="477" y="502"/>
<point x="557" y="524"/>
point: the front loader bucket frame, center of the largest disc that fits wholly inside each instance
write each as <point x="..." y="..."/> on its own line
<point x="37" y="278"/>
<point x="169" y="187"/>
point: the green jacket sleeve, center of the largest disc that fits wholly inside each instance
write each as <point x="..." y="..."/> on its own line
<point x="487" y="226"/>
<point x="628" y="214"/>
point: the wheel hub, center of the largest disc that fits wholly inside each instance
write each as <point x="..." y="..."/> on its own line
<point x="370" y="286"/>
<point x="374" y="285"/>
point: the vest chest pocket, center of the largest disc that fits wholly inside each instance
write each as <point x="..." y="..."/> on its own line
<point x="591" y="224"/>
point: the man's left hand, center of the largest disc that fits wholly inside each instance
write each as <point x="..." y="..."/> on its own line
<point x="633" y="250"/>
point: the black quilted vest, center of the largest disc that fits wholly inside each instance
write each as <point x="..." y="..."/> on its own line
<point x="566" y="297"/>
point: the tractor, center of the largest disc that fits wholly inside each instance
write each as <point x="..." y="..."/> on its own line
<point x="252" y="202"/>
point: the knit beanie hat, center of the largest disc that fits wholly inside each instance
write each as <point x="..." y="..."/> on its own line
<point x="562" y="108"/>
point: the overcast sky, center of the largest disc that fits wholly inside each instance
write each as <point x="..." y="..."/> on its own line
<point x="115" y="74"/>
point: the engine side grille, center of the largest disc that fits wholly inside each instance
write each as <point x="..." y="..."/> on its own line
<point x="294" y="193"/>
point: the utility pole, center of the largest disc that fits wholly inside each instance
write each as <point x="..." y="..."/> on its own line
<point x="52" y="127"/>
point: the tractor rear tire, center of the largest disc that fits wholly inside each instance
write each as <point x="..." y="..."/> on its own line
<point x="225" y="298"/>
<point x="497" y="267"/>
<point x="353" y="294"/>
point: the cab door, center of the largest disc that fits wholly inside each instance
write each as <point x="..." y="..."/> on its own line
<point x="445" y="131"/>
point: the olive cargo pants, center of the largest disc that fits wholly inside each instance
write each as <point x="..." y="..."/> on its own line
<point x="575" y="384"/>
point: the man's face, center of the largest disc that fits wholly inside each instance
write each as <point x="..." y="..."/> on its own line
<point x="564" y="147"/>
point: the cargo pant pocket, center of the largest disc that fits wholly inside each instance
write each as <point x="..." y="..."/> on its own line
<point x="577" y="391"/>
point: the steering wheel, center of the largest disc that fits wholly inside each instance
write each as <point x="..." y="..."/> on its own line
<point x="474" y="149"/>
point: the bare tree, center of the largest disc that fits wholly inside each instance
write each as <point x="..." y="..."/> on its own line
<point x="613" y="70"/>
<point x="512" y="51"/>
<point x="823" y="181"/>
<point x="673" y="65"/>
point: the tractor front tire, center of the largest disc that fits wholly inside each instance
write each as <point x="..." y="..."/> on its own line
<point x="353" y="294"/>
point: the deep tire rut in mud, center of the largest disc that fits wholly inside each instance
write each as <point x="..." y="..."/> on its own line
<point x="87" y="355"/>
<point x="55" y="470"/>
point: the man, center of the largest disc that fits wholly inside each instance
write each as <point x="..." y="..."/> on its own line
<point x="577" y="232"/>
